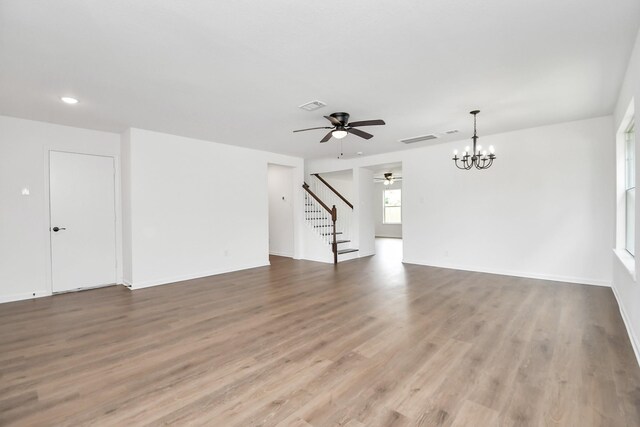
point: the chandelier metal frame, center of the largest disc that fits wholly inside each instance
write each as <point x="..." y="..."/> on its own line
<point x="476" y="158"/>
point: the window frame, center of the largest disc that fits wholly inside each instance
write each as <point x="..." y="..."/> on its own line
<point x="384" y="206"/>
<point x="629" y="186"/>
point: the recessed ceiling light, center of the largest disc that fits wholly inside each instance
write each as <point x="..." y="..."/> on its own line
<point x="69" y="100"/>
<point x="359" y="153"/>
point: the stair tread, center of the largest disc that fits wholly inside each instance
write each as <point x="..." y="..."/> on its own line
<point x="343" y="241"/>
<point x="346" y="251"/>
<point x="328" y="234"/>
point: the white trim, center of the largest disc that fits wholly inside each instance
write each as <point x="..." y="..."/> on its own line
<point x="25" y="296"/>
<point x="284" y="254"/>
<point x="620" y="176"/>
<point x="183" y="277"/>
<point x="319" y="259"/>
<point x="635" y="343"/>
<point x="627" y="260"/>
<point x="551" y="277"/>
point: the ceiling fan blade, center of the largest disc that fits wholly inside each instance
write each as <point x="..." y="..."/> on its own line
<point x="322" y="127"/>
<point x="367" y="123"/>
<point x="334" y="121"/>
<point x="326" y="137"/>
<point x="360" y="133"/>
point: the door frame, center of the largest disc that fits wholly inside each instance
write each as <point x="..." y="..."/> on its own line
<point x="47" y="207"/>
<point x="294" y="232"/>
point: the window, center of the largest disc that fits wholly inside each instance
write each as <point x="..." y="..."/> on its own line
<point x="630" y="189"/>
<point x="392" y="207"/>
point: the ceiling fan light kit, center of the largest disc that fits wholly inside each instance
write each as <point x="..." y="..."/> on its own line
<point x="475" y="157"/>
<point x="341" y="127"/>
<point x="339" y="133"/>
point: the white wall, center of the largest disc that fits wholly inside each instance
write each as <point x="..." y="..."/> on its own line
<point x="342" y="182"/>
<point x="382" y="229"/>
<point x="125" y="165"/>
<point x="185" y="208"/>
<point x="25" y="266"/>
<point x="281" y="190"/>
<point x="199" y="208"/>
<point x="625" y="286"/>
<point x="545" y="209"/>
<point x="363" y="212"/>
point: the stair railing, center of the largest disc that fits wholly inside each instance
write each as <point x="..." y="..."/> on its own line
<point x="333" y="212"/>
<point x="330" y="195"/>
<point x="336" y="192"/>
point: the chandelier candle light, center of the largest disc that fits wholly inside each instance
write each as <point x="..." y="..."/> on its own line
<point x="477" y="158"/>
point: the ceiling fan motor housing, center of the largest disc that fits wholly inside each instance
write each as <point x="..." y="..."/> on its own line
<point x="343" y="117"/>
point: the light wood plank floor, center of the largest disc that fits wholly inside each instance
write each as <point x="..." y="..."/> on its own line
<point x="369" y="343"/>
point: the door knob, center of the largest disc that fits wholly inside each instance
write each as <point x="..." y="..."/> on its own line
<point x="56" y="229"/>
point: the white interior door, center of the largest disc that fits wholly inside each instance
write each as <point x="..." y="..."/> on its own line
<point x="82" y="226"/>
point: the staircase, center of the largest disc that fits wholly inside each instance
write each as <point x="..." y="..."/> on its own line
<point x="330" y="215"/>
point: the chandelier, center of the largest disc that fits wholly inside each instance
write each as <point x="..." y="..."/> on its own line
<point x="477" y="158"/>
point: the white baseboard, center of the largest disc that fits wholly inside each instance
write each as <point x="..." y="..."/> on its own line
<point x="24" y="296"/>
<point x="635" y="343"/>
<point x="551" y="277"/>
<point x="182" y="278"/>
<point x="284" y="254"/>
<point x="318" y="259"/>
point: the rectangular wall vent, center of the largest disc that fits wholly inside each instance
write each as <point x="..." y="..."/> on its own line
<point x="418" y="139"/>
<point x="312" y="106"/>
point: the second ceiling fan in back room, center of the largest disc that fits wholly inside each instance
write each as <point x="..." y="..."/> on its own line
<point x="341" y="127"/>
<point x="388" y="178"/>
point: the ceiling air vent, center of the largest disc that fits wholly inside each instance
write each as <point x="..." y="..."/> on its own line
<point x="312" y="106"/>
<point x="452" y="131"/>
<point x="418" y="139"/>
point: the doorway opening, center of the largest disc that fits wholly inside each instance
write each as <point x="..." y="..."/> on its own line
<point x="387" y="209"/>
<point x="280" y="182"/>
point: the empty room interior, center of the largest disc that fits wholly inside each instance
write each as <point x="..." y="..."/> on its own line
<point x="356" y="213"/>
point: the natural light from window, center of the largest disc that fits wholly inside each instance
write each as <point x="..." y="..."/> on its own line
<point x="393" y="206"/>
<point x="630" y="189"/>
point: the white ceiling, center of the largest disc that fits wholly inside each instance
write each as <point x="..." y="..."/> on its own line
<point x="235" y="72"/>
